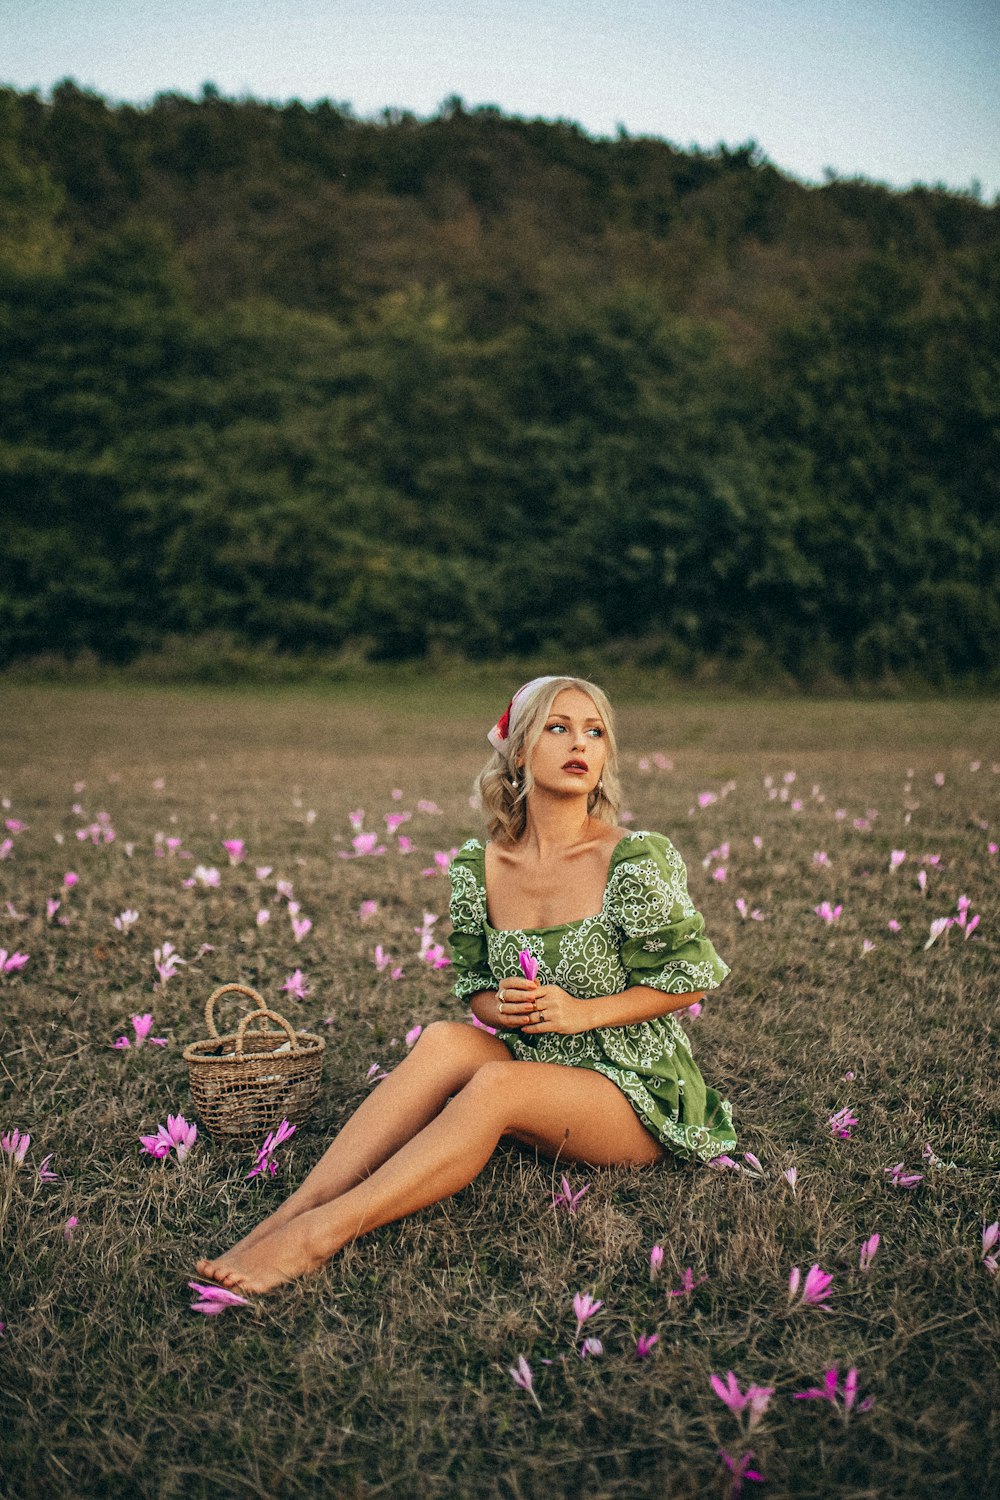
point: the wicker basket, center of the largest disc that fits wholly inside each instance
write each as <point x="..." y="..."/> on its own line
<point x="245" y="1084"/>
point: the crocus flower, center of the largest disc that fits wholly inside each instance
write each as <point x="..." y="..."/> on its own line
<point x="176" y="1135"/>
<point x="203" y="875"/>
<point x="6" y="848"/>
<point x="376" y="1073"/>
<point x="566" y="1198"/>
<point x="70" y="879"/>
<point x="126" y="919"/>
<point x="236" y="849"/>
<point x="213" y="1299"/>
<point x="725" y="1164"/>
<point x="69" y="1227"/>
<point x="815" y="1291"/>
<point x="688" y="1283"/>
<point x="357" y="818"/>
<point x="901" y="1178"/>
<point x="142" y="1026"/>
<point x="529" y="964"/>
<point x="791" y="1176"/>
<point x="45" y="1174"/>
<point x="756" y="1397"/>
<point x="301" y="927"/>
<point x="522" y="1376"/>
<point x="584" y="1307"/>
<point x="841" y="1123"/>
<point x="263" y="916"/>
<point x="832" y="1389"/>
<point x="896" y="858"/>
<point x="754" y="1168"/>
<point x="263" y="871"/>
<point x="655" y="1262"/>
<point x="10" y="963"/>
<point x="827" y="912"/>
<point x="367" y="910"/>
<point x="739" y="1468"/>
<point x="426" y="806"/>
<point x="644" y="1344"/>
<point x="922" y="880"/>
<point x="821" y="857"/>
<point x="52" y="905"/>
<point x="868" y="1249"/>
<point x="591" y="1347"/>
<point x="939" y="925"/>
<point x="991" y="1235"/>
<point x="15" y="1145"/>
<point x="395" y="820"/>
<point x="893" y="925"/>
<point x="165" y="962"/>
<point x="265" y="1156"/>
<point x="412" y="1034"/>
<point x="295" y="984"/>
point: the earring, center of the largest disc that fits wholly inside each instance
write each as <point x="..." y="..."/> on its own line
<point x="600" y="786"/>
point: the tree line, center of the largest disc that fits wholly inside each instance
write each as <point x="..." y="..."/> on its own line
<point x="487" y="386"/>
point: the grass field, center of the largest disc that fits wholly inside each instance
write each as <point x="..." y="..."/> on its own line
<point x="388" y="1374"/>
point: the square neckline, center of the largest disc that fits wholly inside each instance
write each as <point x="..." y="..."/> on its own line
<point x="555" y="926"/>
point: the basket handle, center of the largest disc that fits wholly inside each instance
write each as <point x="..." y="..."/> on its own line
<point x="272" y="1015"/>
<point x="225" y="989"/>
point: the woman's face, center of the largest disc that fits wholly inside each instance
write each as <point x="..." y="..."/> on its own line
<point x="570" y="754"/>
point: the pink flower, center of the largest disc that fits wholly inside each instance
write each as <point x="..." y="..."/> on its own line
<point x="991" y="1235"/>
<point x="756" y="1397"/>
<point x="142" y="1026"/>
<point x="52" y="905"/>
<point x="791" y="1176"/>
<point x="45" y="1174"/>
<point x="125" y="920"/>
<point x="426" y="806"/>
<point x="165" y="961"/>
<point x="236" y="849"/>
<point x="841" y="1123"/>
<point x="827" y="912"/>
<point x="896" y="858"/>
<point x="821" y="857"/>
<point x="901" y="1178"/>
<point x="725" y="1164"/>
<point x="301" y="927"/>
<point x="868" y="1250"/>
<point x="567" y="1199"/>
<point x="529" y="964"/>
<point x="922" y="879"/>
<point x="412" y="1034"/>
<point x="435" y="955"/>
<point x="481" y="1025"/>
<point x="938" y="926"/>
<point x="705" y="799"/>
<point x="176" y="1135"/>
<point x="265" y="1156"/>
<point x="9" y="964"/>
<point x="584" y="1307"/>
<point x="263" y="871"/>
<point x="816" y="1289"/>
<point x="367" y="910"/>
<point x="213" y="1299"/>
<point x="739" y="1468"/>
<point x="831" y="1389"/>
<point x="644" y="1344"/>
<point x="376" y="1073"/>
<point x="523" y="1377"/>
<point x="69" y="1227"/>
<point x="893" y="925"/>
<point x="14" y="825"/>
<point x="688" y="1283"/>
<point x="867" y="946"/>
<point x="758" y="842"/>
<point x="15" y="1145"/>
<point x="719" y="874"/>
<point x="655" y="1262"/>
<point x="295" y="984"/>
<point x="393" y="821"/>
<point x="591" y="1347"/>
<point x="6" y="848"/>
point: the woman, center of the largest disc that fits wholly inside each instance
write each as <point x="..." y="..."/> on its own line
<point x="587" y="1064"/>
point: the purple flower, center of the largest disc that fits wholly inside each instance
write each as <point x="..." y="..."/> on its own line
<point x="591" y="1348"/>
<point x="655" y="1262"/>
<point x="265" y="1156"/>
<point x="791" y="1176"/>
<point x="868" y="1250"/>
<point x="739" y="1468"/>
<point x="522" y="1376"/>
<point x="832" y="1390"/>
<point x="412" y="1035"/>
<point x="991" y="1235"/>
<point x="841" y="1123"/>
<point x="815" y="1291"/>
<point x="529" y="964"/>
<point x="44" y="1173"/>
<point x="584" y="1307"/>
<point x="567" y="1199"/>
<point x="9" y="964"/>
<point x="236" y="849"/>
<point x="69" y="1227"/>
<point x="15" y="1145"/>
<point x="295" y="985"/>
<point x="900" y="1178"/>
<point x="177" y="1135"/>
<point x="213" y="1300"/>
<point x="688" y="1283"/>
<point x="644" y="1344"/>
<point x="827" y="912"/>
<point x="756" y="1397"/>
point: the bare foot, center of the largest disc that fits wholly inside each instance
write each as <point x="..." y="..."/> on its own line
<point x="281" y="1256"/>
<point x="267" y="1226"/>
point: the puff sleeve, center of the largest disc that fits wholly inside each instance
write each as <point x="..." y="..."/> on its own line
<point x="467" y="911"/>
<point x="664" y="944"/>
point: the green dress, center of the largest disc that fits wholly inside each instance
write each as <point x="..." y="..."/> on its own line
<point x="648" y="933"/>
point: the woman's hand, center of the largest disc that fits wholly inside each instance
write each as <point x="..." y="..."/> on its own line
<point x="552" y="1010"/>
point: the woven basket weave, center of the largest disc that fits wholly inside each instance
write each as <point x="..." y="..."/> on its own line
<point x="246" y="1083"/>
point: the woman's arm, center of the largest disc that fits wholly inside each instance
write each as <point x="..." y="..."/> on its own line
<point x="640" y="1002"/>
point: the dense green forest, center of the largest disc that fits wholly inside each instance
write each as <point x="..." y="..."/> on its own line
<point x="282" y="378"/>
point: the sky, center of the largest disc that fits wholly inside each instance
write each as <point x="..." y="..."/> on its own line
<point x="897" y="91"/>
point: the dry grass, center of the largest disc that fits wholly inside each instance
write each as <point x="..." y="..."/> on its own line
<point x="387" y="1374"/>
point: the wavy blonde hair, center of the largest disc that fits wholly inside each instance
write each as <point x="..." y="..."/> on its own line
<point x="503" y="787"/>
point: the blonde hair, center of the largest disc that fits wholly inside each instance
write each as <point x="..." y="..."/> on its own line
<point x="503" y="786"/>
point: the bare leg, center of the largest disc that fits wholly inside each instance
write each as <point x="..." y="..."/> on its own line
<point x="443" y="1059"/>
<point x="573" y="1111"/>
